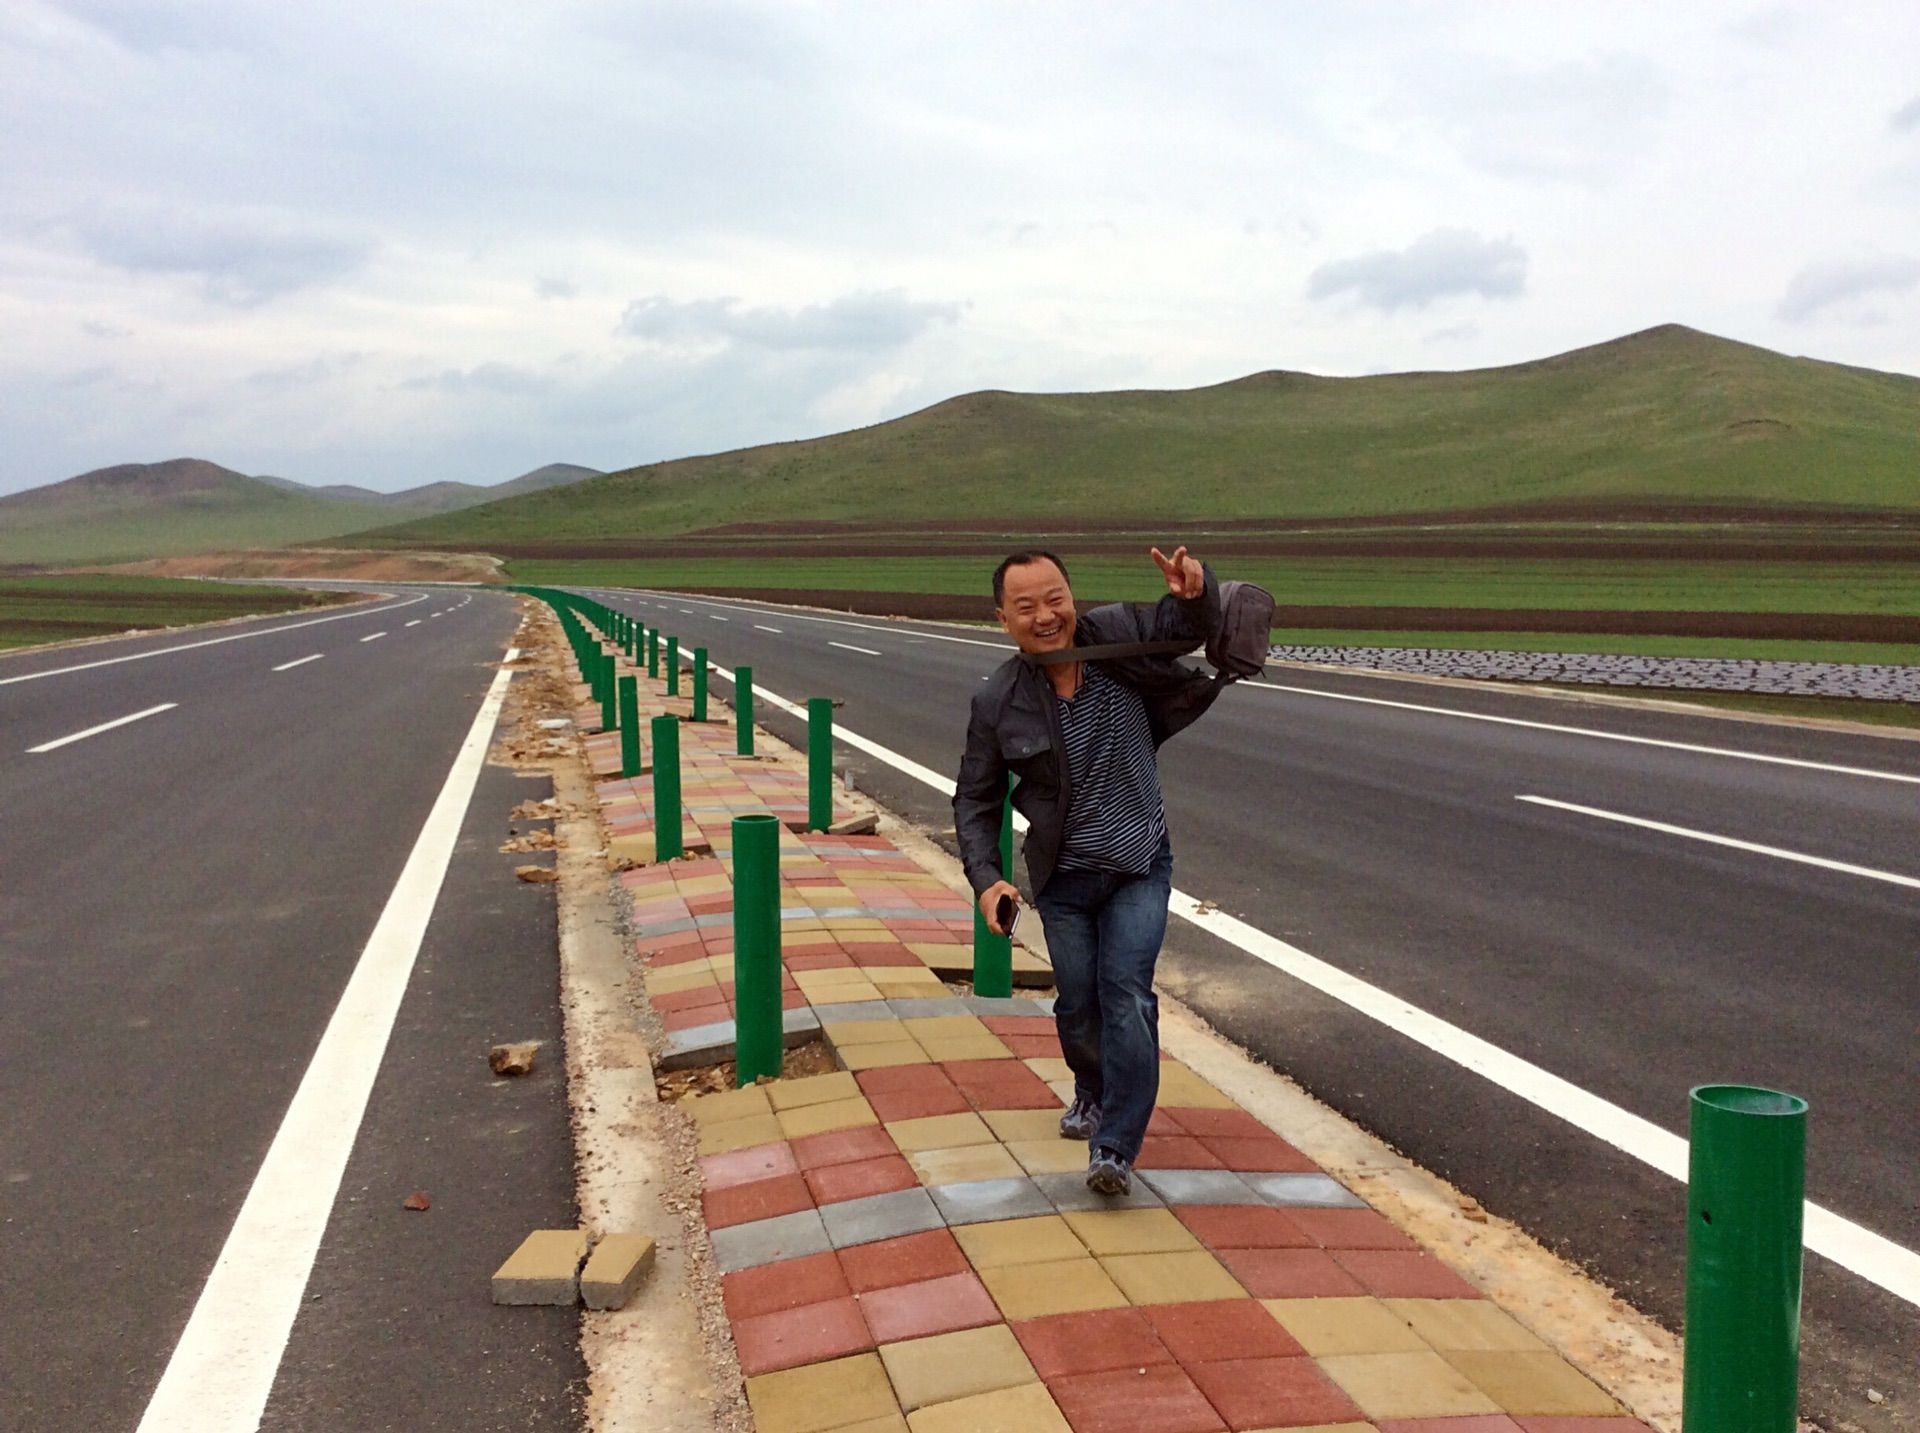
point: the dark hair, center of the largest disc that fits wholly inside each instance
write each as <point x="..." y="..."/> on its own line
<point x="1021" y="559"/>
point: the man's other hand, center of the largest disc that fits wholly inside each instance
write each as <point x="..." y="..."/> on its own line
<point x="1185" y="577"/>
<point x="990" y="903"/>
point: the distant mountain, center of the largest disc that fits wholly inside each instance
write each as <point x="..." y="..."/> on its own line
<point x="136" y="510"/>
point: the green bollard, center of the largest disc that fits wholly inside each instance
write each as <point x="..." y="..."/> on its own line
<point x="629" y="727"/>
<point x="673" y="666"/>
<point x="758" y="1038"/>
<point x="819" y="763"/>
<point x="609" y="694"/>
<point x="993" y="954"/>
<point x="653" y="651"/>
<point x="699" y="683"/>
<point x="667" y="836"/>
<point x="743" y="710"/>
<point x="1746" y="1190"/>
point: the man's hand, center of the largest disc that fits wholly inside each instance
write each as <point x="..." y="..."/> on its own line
<point x="990" y="903"/>
<point x="1185" y="577"/>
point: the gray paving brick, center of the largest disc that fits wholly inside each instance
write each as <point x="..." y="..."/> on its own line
<point x="787" y="1236"/>
<point x="880" y="1216"/>
<point x="1069" y="1192"/>
<point x="1304" y="1189"/>
<point x="918" y="1009"/>
<point x="981" y="1200"/>
<point x="853" y="1010"/>
<point x="1199" y="1186"/>
<point x="1012" y="1005"/>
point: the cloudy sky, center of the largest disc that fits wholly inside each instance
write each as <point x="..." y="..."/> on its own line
<point x="359" y="241"/>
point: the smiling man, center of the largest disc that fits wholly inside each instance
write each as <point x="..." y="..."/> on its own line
<point x="1079" y="738"/>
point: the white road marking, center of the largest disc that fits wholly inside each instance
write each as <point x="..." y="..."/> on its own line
<point x="433" y="614"/>
<point x="299" y="662"/>
<point x="891" y="629"/>
<point x="1852" y="1246"/>
<point x="849" y="647"/>
<point x="56" y="744"/>
<point x="716" y="617"/>
<point x="209" y="642"/>
<point x="1592" y="732"/>
<point x="1870" y="872"/>
<point x="761" y="627"/>
<point x="376" y="636"/>
<point x="414" y="623"/>
<point x="223" y="1368"/>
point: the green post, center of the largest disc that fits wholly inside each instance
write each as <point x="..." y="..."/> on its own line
<point x="653" y="651"/>
<point x="819" y="763"/>
<point x="699" y="683"/>
<point x="673" y="666"/>
<point x="609" y="692"/>
<point x="743" y="710"/>
<point x="758" y="1039"/>
<point x="1746" y="1187"/>
<point x="993" y="954"/>
<point x="629" y="727"/>
<point x="666" y="788"/>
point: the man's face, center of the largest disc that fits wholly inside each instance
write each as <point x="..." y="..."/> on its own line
<point x="1037" y="607"/>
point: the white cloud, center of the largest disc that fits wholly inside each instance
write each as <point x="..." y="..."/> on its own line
<point x="870" y="321"/>
<point x="1843" y="282"/>
<point x="1438" y="265"/>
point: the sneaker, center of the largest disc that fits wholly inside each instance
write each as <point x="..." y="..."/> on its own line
<point x="1108" y="1173"/>
<point x="1081" y="1119"/>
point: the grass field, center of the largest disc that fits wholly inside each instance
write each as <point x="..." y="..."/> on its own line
<point x="62" y="606"/>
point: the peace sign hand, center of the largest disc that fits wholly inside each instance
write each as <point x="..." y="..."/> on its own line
<point x="1185" y="577"/>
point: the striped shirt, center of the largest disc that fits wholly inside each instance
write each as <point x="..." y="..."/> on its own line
<point x="1115" y="821"/>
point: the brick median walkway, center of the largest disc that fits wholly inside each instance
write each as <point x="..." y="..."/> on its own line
<point x="908" y="1244"/>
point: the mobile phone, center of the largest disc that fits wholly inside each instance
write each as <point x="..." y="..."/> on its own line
<point x="1007" y="914"/>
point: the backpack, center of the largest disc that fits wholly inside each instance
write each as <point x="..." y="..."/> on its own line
<point x="1237" y="650"/>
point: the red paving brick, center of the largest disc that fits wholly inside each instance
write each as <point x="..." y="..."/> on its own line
<point x="1221" y="1328"/>
<point x="896" y="1079"/>
<point x="893" y="1105"/>
<point x="762" y="1199"/>
<point x="989" y="1072"/>
<point x="1289" y="1273"/>
<point x="1578" y="1425"/>
<point x="1218" y="1124"/>
<point x="1350" y="1229"/>
<point x="843" y="1146"/>
<point x="1393" y="1274"/>
<point x="744" y="1166"/>
<point x="836" y="1182"/>
<point x="1175" y="1151"/>
<point x="1484" y="1423"/>
<point x="1240" y="1226"/>
<point x="1033" y="1047"/>
<point x="1004" y="1025"/>
<point x="1012" y="1097"/>
<point x="1094" y="1342"/>
<point x="1163" y="1123"/>
<point x="1270" y="1155"/>
<point x="810" y="1334"/>
<point x="1273" y="1393"/>
<point x="1160" y="1400"/>
<point x="788" y="1284"/>
<point x="931" y="1306"/>
<point x="908" y="1259"/>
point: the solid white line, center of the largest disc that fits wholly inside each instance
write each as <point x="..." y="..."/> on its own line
<point x="1592" y="732"/>
<point x="849" y="647"/>
<point x="1852" y="1246"/>
<point x="758" y="627"/>
<point x="376" y="636"/>
<point x="1870" y="872"/>
<point x="96" y="730"/>
<point x="209" y="642"/>
<point x="299" y="662"/>
<point x="223" y="1368"/>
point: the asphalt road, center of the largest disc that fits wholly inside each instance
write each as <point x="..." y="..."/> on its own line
<point x="1386" y="837"/>
<point x="185" y="896"/>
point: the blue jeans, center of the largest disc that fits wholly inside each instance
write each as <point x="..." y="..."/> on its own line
<point x="1104" y="931"/>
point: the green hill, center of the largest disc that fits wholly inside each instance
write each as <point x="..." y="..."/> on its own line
<point x="1667" y="417"/>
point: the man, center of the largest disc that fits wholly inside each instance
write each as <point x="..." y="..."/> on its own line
<point x="1080" y="740"/>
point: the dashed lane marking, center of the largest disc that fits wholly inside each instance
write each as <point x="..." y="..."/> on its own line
<point x="376" y="636"/>
<point x="59" y="742"/>
<point x="299" y="662"/>
<point x="849" y="647"/>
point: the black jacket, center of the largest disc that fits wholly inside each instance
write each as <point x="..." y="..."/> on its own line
<point x="1015" y="727"/>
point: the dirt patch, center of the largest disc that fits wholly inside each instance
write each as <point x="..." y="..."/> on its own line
<point x="812" y="1058"/>
<point x="335" y="562"/>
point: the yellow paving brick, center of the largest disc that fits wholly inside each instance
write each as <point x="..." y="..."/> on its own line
<point x="1180" y="1088"/>
<point x="730" y="1135"/>
<point x="940" y="1132"/>
<point x="1013" y="1125"/>
<point x="1329" y="1326"/>
<point x="729" y="1105"/>
<point x="1540" y="1385"/>
<point x="1131" y="1231"/>
<point x="823" y="1118"/>
<point x="1006" y="1242"/>
<point x="672" y="979"/>
<point x="956" y="1365"/>
<point x="903" y="990"/>
<point x="884" y="1054"/>
<point x="1049" y="1156"/>
<point x="864" y="1032"/>
<point x="1171" y="1278"/>
<point x="1031" y="1291"/>
<point x="1049" y="1068"/>
<point x="813" y="1090"/>
<point x="964" y="1165"/>
<point x="821" y="1396"/>
<point x="1474" y="1324"/>
<point x="944" y="1025"/>
<point x="966" y="1047"/>
<point x="1063" y="1090"/>
<point x="704" y="886"/>
<point x="1405" y="1385"/>
<point x="908" y="975"/>
<point x="1026" y="1409"/>
<point x="940" y="953"/>
<point x="846" y="994"/>
<point x="895" y="1422"/>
